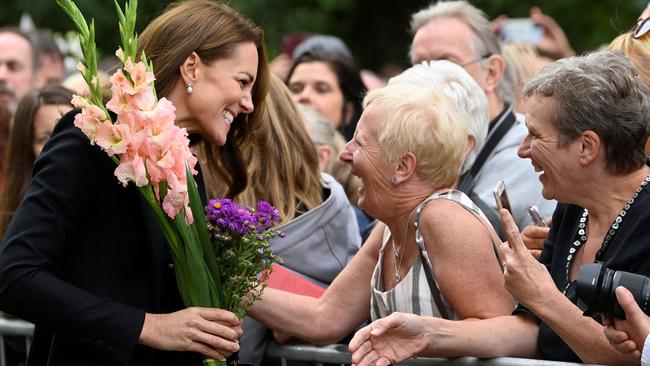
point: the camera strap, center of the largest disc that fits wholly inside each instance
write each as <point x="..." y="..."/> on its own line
<point x="502" y="125"/>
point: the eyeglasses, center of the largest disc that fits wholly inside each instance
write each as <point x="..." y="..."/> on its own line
<point x="475" y="61"/>
<point x="642" y="28"/>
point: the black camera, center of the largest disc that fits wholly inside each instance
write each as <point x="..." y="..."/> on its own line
<point x="596" y="286"/>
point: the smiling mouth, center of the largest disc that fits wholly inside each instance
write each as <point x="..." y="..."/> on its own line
<point x="229" y="117"/>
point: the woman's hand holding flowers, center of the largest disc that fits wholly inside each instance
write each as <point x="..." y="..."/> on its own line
<point x="209" y="331"/>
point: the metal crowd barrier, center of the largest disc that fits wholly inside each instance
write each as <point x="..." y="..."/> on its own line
<point x="18" y="328"/>
<point x="333" y="354"/>
<point x="338" y="354"/>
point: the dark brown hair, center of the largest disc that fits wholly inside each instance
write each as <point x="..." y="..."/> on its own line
<point x="212" y="30"/>
<point x="19" y="156"/>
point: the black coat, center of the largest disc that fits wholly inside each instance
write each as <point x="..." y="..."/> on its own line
<point x="84" y="259"/>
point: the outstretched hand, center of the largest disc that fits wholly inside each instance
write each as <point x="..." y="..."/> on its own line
<point x="209" y="331"/>
<point x="389" y="340"/>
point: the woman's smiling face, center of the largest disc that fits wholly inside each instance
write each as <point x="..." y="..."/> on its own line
<point x="222" y="90"/>
<point x="363" y="153"/>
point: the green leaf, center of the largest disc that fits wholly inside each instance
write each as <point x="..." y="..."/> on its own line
<point x="200" y="226"/>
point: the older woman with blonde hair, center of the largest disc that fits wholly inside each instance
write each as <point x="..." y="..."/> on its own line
<point x="432" y="252"/>
<point x="322" y="234"/>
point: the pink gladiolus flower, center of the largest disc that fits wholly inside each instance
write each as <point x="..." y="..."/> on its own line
<point x="89" y="120"/>
<point x="120" y="54"/>
<point x="121" y="90"/>
<point x="113" y="138"/>
<point x="143" y="100"/>
<point x="177" y="199"/>
<point x="131" y="169"/>
<point x="162" y="116"/>
<point x="79" y="101"/>
<point x="139" y="75"/>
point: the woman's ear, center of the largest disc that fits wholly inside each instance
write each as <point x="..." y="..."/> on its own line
<point x="470" y="144"/>
<point x="189" y="68"/>
<point x="590" y="145"/>
<point x="405" y="167"/>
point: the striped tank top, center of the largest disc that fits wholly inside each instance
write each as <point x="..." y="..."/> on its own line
<point x="412" y="294"/>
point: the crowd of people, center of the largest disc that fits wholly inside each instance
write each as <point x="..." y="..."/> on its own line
<point x="385" y="189"/>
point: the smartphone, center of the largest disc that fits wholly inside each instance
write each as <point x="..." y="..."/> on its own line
<point x="521" y="30"/>
<point x="501" y="196"/>
<point x="537" y="217"/>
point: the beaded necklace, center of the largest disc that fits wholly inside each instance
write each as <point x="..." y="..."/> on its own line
<point x="582" y="232"/>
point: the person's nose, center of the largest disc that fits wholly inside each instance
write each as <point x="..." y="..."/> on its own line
<point x="305" y="97"/>
<point x="246" y="103"/>
<point x="3" y="71"/>
<point x="346" y="155"/>
<point x="524" y="147"/>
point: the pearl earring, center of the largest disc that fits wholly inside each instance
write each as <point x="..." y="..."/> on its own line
<point x="189" y="88"/>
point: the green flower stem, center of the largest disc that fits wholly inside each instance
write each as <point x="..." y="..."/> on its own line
<point x="211" y="362"/>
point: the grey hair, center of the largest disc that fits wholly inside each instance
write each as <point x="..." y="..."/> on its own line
<point x="320" y="129"/>
<point x="454" y="82"/>
<point x="484" y="42"/>
<point x="600" y="92"/>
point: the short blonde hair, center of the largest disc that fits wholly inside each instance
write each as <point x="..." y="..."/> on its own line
<point x="454" y="82"/>
<point x="425" y="122"/>
<point x="636" y="50"/>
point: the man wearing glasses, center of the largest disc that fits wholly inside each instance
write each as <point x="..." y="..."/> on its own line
<point x="457" y="31"/>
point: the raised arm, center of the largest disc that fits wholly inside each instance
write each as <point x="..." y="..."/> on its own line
<point x="343" y="306"/>
<point x="531" y="284"/>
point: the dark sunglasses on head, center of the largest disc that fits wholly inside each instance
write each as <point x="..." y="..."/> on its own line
<point x="642" y="28"/>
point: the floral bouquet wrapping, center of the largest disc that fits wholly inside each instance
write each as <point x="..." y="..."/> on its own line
<point x="216" y="264"/>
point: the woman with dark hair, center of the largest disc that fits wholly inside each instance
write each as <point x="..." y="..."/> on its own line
<point x="36" y="115"/>
<point x="84" y="257"/>
<point x="332" y="85"/>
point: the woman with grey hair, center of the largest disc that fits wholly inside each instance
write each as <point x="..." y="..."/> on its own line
<point x="587" y="121"/>
<point x="433" y="251"/>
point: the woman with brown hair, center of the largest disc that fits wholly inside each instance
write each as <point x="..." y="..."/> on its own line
<point x="322" y="235"/>
<point x="36" y="115"/>
<point x="84" y="258"/>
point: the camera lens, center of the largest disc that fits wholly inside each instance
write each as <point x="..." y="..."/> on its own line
<point x="638" y="285"/>
<point x="596" y="286"/>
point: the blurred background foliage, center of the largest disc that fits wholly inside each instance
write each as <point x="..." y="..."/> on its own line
<point x="375" y="30"/>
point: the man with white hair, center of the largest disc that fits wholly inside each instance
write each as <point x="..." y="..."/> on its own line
<point x="458" y="32"/>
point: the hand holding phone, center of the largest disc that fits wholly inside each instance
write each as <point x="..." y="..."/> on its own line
<point x="501" y="196"/>
<point x="521" y="30"/>
<point x="537" y="217"/>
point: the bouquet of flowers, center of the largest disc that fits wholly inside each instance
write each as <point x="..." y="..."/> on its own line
<point x="212" y="270"/>
<point x="241" y="235"/>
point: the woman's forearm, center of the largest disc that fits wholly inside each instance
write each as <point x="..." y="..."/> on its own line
<point x="505" y="336"/>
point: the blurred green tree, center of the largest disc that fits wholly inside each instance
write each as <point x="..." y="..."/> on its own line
<point x="375" y="30"/>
